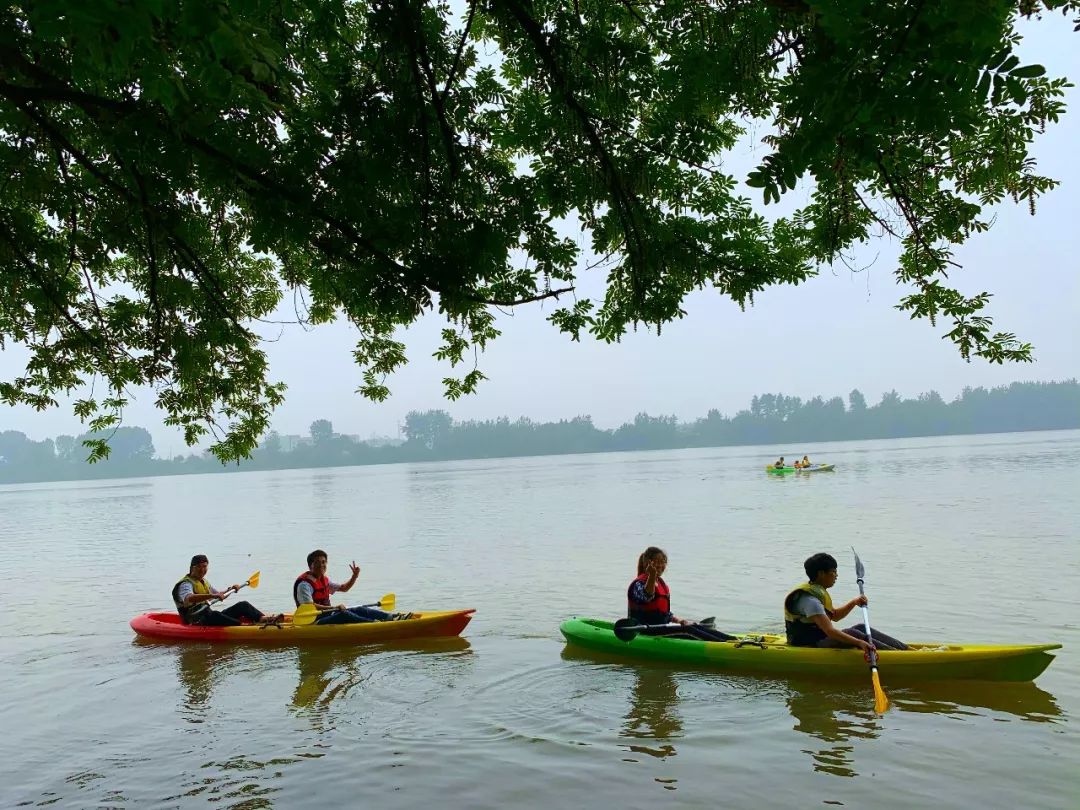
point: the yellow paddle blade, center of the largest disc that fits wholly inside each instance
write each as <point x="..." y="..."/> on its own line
<point x="253" y="580"/>
<point x="306" y="613"/>
<point x="881" y="703"/>
<point x="388" y="601"/>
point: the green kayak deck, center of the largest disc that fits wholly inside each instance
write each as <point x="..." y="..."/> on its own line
<point x="770" y="655"/>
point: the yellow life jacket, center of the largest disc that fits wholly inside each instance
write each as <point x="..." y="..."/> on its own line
<point x="801" y="630"/>
<point x="197" y="586"/>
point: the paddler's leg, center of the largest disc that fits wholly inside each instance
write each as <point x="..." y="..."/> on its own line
<point x="707" y="633"/>
<point x="243" y="610"/>
<point x="213" y="618"/>
<point x="371" y="614"/>
<point x="881" y="641"/>
<point x="342" y="617"/>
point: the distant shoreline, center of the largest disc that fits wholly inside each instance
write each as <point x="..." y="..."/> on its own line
<point x="218" y="469"/>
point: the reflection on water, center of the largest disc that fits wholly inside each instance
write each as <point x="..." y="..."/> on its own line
<point x="836" y="718"/>
<point x="199" y="668"/>
<point x="840" y="718"/>
<point x="323" y="675"/>
<point x="240" y="783"/>
<point x="652" y="716"/>
<point x="326" y="674"/>
<point x="1023" y="701"/>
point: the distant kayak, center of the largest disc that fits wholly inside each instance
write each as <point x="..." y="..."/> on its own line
<point x="770" y="655"/>
<point x="812" y="468"/>
<point x="426" y="624"/>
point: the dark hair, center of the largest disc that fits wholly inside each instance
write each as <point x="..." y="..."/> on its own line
<point x="649" y="554"/>
<point x="316" y="553"/>
<point x="197" y="559"/>
<point x="817" y="563"/>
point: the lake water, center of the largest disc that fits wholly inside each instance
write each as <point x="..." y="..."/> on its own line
<point x="964" y="539"/>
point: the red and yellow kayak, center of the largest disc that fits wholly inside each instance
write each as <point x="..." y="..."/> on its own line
<point x="423" y="624"/>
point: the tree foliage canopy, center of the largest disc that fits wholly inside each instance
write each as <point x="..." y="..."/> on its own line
<point x="170" y="168"/>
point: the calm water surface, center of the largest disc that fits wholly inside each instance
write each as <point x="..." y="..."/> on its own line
<point x="964" y="539"/>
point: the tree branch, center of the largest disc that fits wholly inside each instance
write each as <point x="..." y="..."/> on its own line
<point x="506" y="302"/>
<point x="460" y="50"/>
<point x="623" y="201"/>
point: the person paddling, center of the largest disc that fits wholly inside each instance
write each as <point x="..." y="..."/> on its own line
<point x="192" y="596"/>
<point x="779" y="465"/>
<point x="649" y="601"/>
<point x="314" y="587"/>
<point x="809" y="613"/>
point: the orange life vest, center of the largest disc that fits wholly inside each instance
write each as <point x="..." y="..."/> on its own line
<point x="320" y="588"/>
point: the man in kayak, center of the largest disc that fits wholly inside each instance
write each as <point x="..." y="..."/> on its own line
<point x="809" y="613"/>
<point x="780" y="464"/>
<point x="192" y="596"/>
<point x="315" y="588"/>
<point x="649" y="601"/>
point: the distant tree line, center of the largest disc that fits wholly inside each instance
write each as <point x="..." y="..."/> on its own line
<point x="433" y="435"/>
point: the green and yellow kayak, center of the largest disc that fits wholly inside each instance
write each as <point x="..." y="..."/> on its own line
<point x="770" y="655"/>
<point x="779" y="470"/>
<point x="769" y="468"/>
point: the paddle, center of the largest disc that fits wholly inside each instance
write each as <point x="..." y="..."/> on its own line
<point x="253" y="581"/>
<point x="307" y="613"/>
<point x="627" y="629"/>
<point x="881" y="703"/>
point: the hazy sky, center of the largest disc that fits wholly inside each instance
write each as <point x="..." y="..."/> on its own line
<point x="837" y="332"/>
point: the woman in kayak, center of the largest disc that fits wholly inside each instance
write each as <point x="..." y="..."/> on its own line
<point x="805" y="461"/>
<point x="649" y="601"/>
<point x="809" y="613"/>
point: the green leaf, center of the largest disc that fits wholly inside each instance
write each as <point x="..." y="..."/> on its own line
<point x="1028" y="72"/>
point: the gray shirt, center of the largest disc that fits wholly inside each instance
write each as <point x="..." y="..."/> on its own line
<point x="186" y="589"/>
<point x="808" y="605"/>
